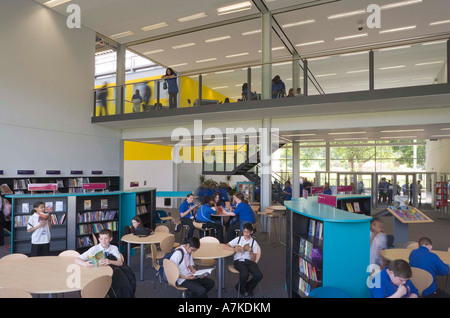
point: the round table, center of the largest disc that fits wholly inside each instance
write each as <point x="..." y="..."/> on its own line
<point x="215" y="251"/>
<point x="403" y="253"/>
<point x="48" y="274"/>
<point x="155" y="238"/>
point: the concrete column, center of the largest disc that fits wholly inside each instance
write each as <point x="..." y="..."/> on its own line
<point x="266" y="55"/>
<point x="295" y="168"/>
<point x="296" y="73"/>
<point x="120" y="78"/>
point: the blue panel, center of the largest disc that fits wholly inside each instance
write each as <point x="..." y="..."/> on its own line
<point x="172" y="194"/>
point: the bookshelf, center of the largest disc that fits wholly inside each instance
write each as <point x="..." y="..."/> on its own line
<point x="351" y="202"/>
<point x="325" y="246"/>
<point x="22" y="211"/>
<point x="94" y="213"/>
<point x="139" y="202"/>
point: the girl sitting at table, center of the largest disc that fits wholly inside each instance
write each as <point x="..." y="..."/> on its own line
<point x="203" y="218"/>
<point x="136" y="223"/>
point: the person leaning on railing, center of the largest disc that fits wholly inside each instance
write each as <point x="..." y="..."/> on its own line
<point x="172" y="86"/>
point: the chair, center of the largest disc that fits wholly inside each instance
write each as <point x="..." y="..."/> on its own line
<point x="412" y="245"/>
<point x="94" y="239"/>
<point x="421" y="279"/>
<point x="232" y="269"/>
<point x="13" y="256"/>
<point x="14" y="293"/>
<point x="207" y="262"/>
<point x="390" y="241"/>
<point x="70" y="253"/>
<point x="328" y="292"/>
<point x="97" y="288"/>
<point x="172" y="273"/>
<point x="162" y="228"/>
<point x="199" y="227"/>
<point x="156" y="266"/>
<point x="165" y="246"/>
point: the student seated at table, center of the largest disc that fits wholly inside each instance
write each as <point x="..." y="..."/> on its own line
<point x="394" y="282"/>
<point x="327" y="189"/>
<point x="246" y="249"/>
<point x="423" y="258"/>
<point x="105" y="237"/>
<point x="187" y="216"/>
<point x="204" y="218"/>
<point x="245" y="213"/>
<point x="136" y="223"/>
<point x="198" y="287"/>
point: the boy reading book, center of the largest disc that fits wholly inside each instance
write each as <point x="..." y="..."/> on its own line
<point x="105" y="238"/>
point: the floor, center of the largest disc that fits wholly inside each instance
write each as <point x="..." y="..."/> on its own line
<point x="272" y="262"/>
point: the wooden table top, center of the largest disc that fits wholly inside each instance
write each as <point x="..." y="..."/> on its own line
<point x="211" y="251"/>
<point x="403" y="253"/>
<point x="277" y="207"/>
<point x="48" y="274"/>
<point x="156" y="237"/>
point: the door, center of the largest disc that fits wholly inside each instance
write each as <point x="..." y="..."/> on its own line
<point x="384" y="189"/>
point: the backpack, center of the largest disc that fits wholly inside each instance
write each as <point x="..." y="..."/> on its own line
<point x="123" y="283"/>
<point x="168" y="256"/>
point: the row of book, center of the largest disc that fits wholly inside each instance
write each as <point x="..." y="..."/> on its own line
<point x="353" y="208"/>
<point x="304" y="287"/>
<point x="407" y="213"/>
<point x="141" y="209"/>
<point x="21" y="220"/>
<point x="5" y="189"/>
<point x="95" y="216"/>
<point x="315" y="229"/>
<point x="21" y="184"/>
<point x="140" y="199"/>
<point x="77" y="182"/>
<point x="55" y="219"/>
<point x="84" y="241"/>
<point x="308" y="270"/>
<point x="84" y="229"/>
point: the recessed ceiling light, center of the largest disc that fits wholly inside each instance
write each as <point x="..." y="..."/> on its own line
<point x="154" y="51"/>
<point x="440" y="22"/>
<point x="326" y="75"/>
<point x="310" y="140"/>
<point x="54" y="3"/>
<point x="176" y="65"/>
<point x="154" y="26"/>
<point x="356" y="72"/>
<point x="181" y="46"/>
<point x="434" y="42"/>
<point x="349" y="37"/>
<point x="192" y="17"/>
<point x="238" y="54"/>
<point x="219" y="87"/>
<point x="401" y="130"/>
<point x="395" y="48"/>
<point x="247" y="5"/>
<point x="310" y="43"/>
<point x="121" y="35"/>
<point x="400" y="4"/>
<point x="290" y="25"/>
<point x="319" y="58"/>
<point x="391" y="67"/>
<point x="348" y="133"/>
<point x="426" y="78"/>
<point x="411" y="27"/>
<point x="354" y="53"/>
<point x="350" y="138"/>
<point x="299" y="135"/>
<point x="445" y="129"/>
<point x="251" y="32"/>
<point x="429" y="63"/>
<point x="399" y="137"/>
<point x="222" y="72"/>
<point x="275" y="48"/>
<point x="346" y="14"/>
<point x="206" y="60"/>
<point x="440" y="135"/>
<point x="220" y="38"/>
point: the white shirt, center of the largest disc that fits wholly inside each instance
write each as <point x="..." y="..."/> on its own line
<point x="184" y="267"/>
<point x="242" y="256"/>
<point x="112" y="249"/>
<point x="40" y="235"/>
<point x="379" y="243"/>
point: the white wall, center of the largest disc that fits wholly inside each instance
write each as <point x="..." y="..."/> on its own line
<point x="46" y="95"/>
<point x="438" y="154"/>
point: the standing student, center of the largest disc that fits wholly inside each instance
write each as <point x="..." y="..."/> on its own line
<point x="378" y="241"/>
<point x="103" y="98"/>
<point x="137" y="100"/>
<point x="204" y="217"/>
<point x="40" y="227"/>
<point x="394" y="282"/>
<point x="246" y="249"/>
<point x="172" y="86"/>
<point x="423" y="258"/>
<point x="245" y="213"/>
<point x="187" y="216"/>
<point x="182" y="257"/>
<point x="287" y="191"/>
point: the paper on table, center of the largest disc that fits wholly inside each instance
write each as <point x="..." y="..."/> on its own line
<point x="201" y="272"/>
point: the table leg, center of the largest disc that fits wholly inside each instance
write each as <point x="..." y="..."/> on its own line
<point x="129" y="254"/>
<point x="219" y="280"/>
<point x="142" y="262"/>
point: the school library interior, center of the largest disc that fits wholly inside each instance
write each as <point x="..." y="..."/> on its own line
<point x="233" y="149"/>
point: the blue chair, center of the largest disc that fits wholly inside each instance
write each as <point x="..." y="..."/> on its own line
<point x="328" y="292"/>
<point x="160" y="214"/>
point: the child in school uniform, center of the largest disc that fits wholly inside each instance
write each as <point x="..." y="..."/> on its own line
<point x="39" y="225"/>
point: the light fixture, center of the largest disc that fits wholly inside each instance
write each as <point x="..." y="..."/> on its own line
<point x="326" y="75"/>
<point x="399" y="4"/>
<point x="206" y="60"/>
<point x="310" y="140"/>
<point x="154" y="26"/>
<point x="251" y="32"/>
<point x="238" y="54"/>
<point x="395" y="48"/>
<point x="299" y="135"/>
<point x="54" y="3"/>
<point x="348" y="133"/>
<point x="356" y="72"/>
<point x="219" y="87"/>
<point x="176" y="65"/>
<point x="220" y="38"/>
<point x="399" y="137"/>
<point x="223" y="72"/>
<point x="282" y="63"/>
<point x="349" y="37"/>
<point x="428" y="63"/>
<point x="319" y="58"/>
<point x="390" y="81"/>
<point x="434" y="42"/>
<point x="181" y="46"/>
<point x="350" y="138"/>
<point x="246" y="5"/>
<point x="154" y="51"/>
<point x="150" y="141"/>
<point x="401" y="130"/>
<point x="346" y="14"/>
<point x="440" y="135"/>
<point x="121" y="35"/>
<point x="192" y="17"/>
<point x="354" y="53"/>
<point x="275" y="48"/>
<point x="445" y="129"/>
<point x="439" y="22"/>
<point x="290" y="25"/>
<point x="332" y="87"/>
<point x="422" y="78"/>
<point x="391" y="67"/>
<point x="310" y="43"/>
<point x="411" y="27"/>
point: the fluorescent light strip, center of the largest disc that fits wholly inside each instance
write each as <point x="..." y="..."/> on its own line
<point x="238" y="54"/>
<point x="445" y="129"/>
<point x="400" y="4"/>
<point x="332" y="87"/>
<point x="434" y="42"/>
<point x="274" y="48"/>
<point x="411" y="27"/>
<point x="176" y="65"/>
<point x="391" y="67"/>
<point x="206" y="60"/>
<point x="121" y="35"/>
<point x="154" y="26"/>
<point x="153" y="52"/>
<point x="337" y="139"/>
<point x="54" y="3"/>
<point x="222" y="72"/>
<point x="192" y="17"/>
<point x="399" y="137"/>
<point x="181" y="46"/>
<point x="348" y="133"/>
<point x="440" y="135"/>
<point x="310" y="43"/>
<point x="353" y="54"/>
<point x="401" y="130"/>
<point x="220" y="38"/>
<point x="310" y="140"/>
<point x="349" y="37"/>
<point x="251" y="32"/>
<point x="299" y="135"/>
<point x="390" y="82"/>
<point x="326" y="75"/>
<point x="219" y="87"/>
<point x="360" y="84"/>
<point x="439" y="22"/>
<point x="395" y="48"/>
<point x="422" y="78"/>
<point x="290" y="25"/>
<point x="429" y="63"/>
<point x="346" y="14"/>
<point x="356" y="72"/>
<point x="247" y="5"/>
<point x="319" y="58"/>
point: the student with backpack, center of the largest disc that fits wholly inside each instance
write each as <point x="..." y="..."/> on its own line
<point x="246" y="249"/>
<point x="182" y="257"/>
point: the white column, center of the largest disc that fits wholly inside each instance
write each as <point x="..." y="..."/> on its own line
<point x="120" y="78"/>
<point x="295" y="169"/>
<point x="266" y="55"/>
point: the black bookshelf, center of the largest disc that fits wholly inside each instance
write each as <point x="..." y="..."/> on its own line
<point x="364" y="202"/>
<point x="146" y="208"/>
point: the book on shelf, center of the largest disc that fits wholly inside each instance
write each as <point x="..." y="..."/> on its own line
<point x="48" y="207"/>
<point x="5" y="189"/>
<point x="63" y="218"/>
<point x="319" y="230"/>
<point x="349" y="207"/>
<point x="21" y="184"/>
<point x="21" y="220"/>
<point x="312" y="227"/>
<point x="25" y="207"/>
<point x="95" y="216"/>
<point x="87" y="204"/>
<point x="95" y="259"/>
<point x="84" y="241"/>
<point x="59" y="206"/>
<point x="141" y="209"/>
<point x="54" y="219"/>
<point x="304" y="287"/>
<point x="104" y="204"/>
<point x="356" y="206"/>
